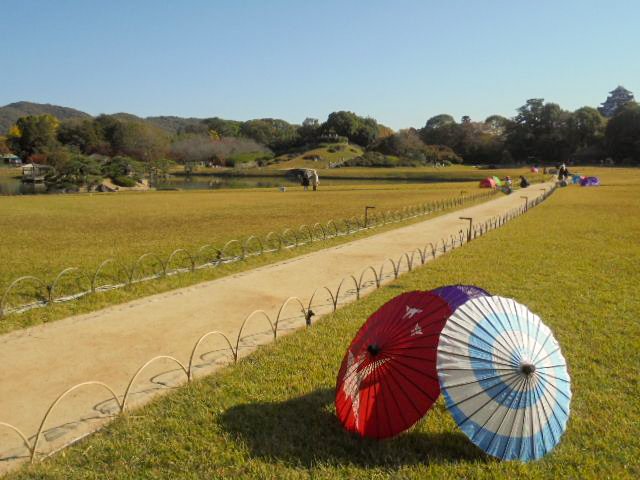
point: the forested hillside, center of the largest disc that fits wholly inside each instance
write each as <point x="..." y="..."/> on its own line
<point x="540" y="132"/>
<point x="9" y="114"/>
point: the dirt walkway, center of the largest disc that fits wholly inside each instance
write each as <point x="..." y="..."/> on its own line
<point x="110" y="345"/>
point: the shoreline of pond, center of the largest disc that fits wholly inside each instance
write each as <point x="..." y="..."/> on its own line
<point x="13" y="186"/>
<point x="261" y="178"/>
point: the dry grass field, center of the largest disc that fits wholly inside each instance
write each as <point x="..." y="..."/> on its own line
<point x="572" y="260"/>
<point x="40" y="235"/>
<point x="44" y="234"/>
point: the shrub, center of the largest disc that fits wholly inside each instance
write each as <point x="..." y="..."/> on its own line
<point x="121" y="166"/>
<point x="376" y="159"/>
<point x="124" y="181"/>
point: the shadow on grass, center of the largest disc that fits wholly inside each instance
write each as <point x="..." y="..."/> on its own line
<point x="305" y="431"/>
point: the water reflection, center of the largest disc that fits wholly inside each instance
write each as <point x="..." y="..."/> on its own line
<point x="211" y="182"/>
<point x="13" y="185"/>
<point x="215" y="182"/>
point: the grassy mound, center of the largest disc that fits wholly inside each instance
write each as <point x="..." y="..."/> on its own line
<point x="573" y="260"/>
<point x="319" y="157"/>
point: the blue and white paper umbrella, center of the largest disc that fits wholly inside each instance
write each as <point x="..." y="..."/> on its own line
<point x="504" y="378"/>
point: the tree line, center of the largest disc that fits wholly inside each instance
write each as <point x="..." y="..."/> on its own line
<point x="540" y="133"/>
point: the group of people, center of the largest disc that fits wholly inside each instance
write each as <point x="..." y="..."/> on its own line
<point x="508" y="184"/>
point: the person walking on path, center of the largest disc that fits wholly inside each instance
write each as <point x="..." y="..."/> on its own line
<point x="315" y="180"/>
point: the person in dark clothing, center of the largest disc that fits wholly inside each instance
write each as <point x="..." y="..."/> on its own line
<point x="305" y="182"/>
<point x="563" y="173"/>
<point x="524" y="183"/>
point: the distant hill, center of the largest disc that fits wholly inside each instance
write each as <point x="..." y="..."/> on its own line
<point x="12" y="112"/>
<point x="177" y="124"/>
<point x="126" y="116"/>
<point x="169" y="124"/>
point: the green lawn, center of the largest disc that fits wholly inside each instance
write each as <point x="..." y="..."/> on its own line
<point x="43" y="234"/>
<point x="573" y="260"/>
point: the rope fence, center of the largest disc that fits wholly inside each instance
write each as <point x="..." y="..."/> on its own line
<point x="73" y="283"/>
<point x="232" y="349"/>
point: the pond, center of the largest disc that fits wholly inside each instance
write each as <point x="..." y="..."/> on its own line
<point x="213" y="182"/>
<point x="13" y="186"/>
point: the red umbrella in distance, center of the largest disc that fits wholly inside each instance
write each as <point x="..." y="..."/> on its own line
<point x="388" y="378"/>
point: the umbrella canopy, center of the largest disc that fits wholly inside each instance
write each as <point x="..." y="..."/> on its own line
<point x="504" y="378"/>
<point x="488" y="182"/>
<point x="497" y="180"/>
<point x="590" y="182"/>
<point x="456" y="295"/>
<point x="388" y="377"/>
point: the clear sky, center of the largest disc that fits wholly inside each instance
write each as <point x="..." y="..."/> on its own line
<point x="399" y="61"/>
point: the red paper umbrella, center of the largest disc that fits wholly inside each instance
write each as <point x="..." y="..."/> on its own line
<point x="388" y="378"/>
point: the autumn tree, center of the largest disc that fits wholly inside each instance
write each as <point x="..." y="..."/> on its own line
<point x="33" y="134"/>
<point x="4" y="149"/>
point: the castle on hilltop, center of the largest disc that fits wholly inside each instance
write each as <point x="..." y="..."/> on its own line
<point x="616" y="99"/>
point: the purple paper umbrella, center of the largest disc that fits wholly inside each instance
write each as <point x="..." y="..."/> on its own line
<point x="456" y="295"/>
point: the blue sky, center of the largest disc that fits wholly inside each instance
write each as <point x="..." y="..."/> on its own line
<point x="400" y="61"/>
